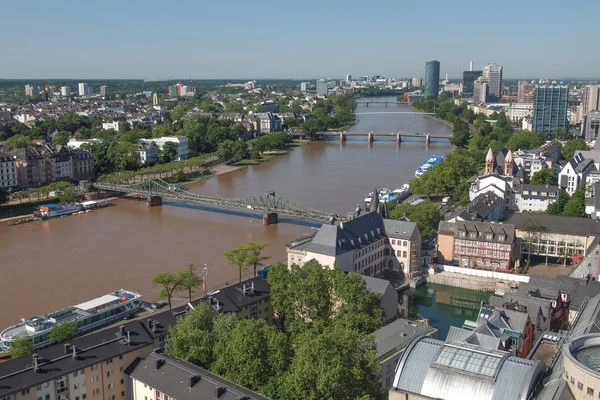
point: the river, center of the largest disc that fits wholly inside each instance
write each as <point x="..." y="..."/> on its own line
<point x="48" y="265"/>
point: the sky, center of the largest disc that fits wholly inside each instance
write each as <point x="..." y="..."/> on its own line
<point x="259" y="39"/>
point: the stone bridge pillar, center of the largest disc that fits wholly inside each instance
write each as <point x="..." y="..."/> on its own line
<point x="342" y="137"/>
<point x="398" y="138"/>
<point x="370" y="137"/>
<point x="154" y="201"/>
<point x="270" y="218"/>
<point x="427" y="139"/>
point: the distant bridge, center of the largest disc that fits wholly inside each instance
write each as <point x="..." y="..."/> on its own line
<point x="272" y="204"/>
<point x="393" y="112"/>
<point x="398" y="135"/>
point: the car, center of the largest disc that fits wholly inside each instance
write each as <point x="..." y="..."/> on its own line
<point x="159" y="304"/>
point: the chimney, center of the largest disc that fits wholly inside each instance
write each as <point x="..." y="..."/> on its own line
<point x="67" y="348"/>
<point x="219" y="391"/>
<point x="193" y="380"/>
<point x="128" y="338"/>
<point x="252" y="287"/>
<point x="159" y="363"/>
<point x="74" y="352"/>
<point x="471" y="66"/>
<point x="150" y="324"/>
<point x="36" y="367"/>
<point x="121" y="330"/>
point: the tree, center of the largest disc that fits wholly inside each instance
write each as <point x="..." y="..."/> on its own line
<point x="3" y="195"/>
<point x="189" y="280"/>
<point x="255" y="259"/>
<point x="225" y="151"/>
<point x="254" y="354"/>
<point x="67" y="196"/>
<point x="21" y="346"/>
<point x="238" y="258"/>
<point x="169" y="152"/>
<point x="461" y="135"/>
<point x="169" y="283"/>
<point x="572" y="146"/>
<point x="63" y="332"/>
<point x="524" y="140"/>
<point x="558" y="207"/>
<point x="240" y="151"/>
<point x="543" y="177"/>
<point x="61" y="137"/>
<point x="575" y="207"/>
<point x="426" y="214"/>
<point x="191" y="338"/>
<point x="18" y="142"/>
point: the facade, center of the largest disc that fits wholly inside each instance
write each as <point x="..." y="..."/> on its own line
<point x="166" y="378"/>
<point x="502" y="186"/>
<point x="266" y="122"/>
<point x="367" y="245"/>
<point x="104" y="92"/>
<point x="147" y="153"/>
<point x="8" y="171"/>
<point x="518" y="111"/>
<point x="581" y="371"/>
<point x="550" y="108"/>
<point x="304" y="87"/>
<point x="525" y="92"/>
<point x="575" y="172"/>
<point x="532" y="162"/>
<point x="591" y="126"/>
<point x="554" y="236"/>
<point x="36" y="166"/>
<point x="480" y="90"/>
<point x="83" y="164"/>
<point x="391" y="340"/>
<point x="322" y="87"/>
<point x="83" y="89"/>
<point x="181" y="141"/>
<point x="64" y="163"/>
<point x="536" y="198"/>
<point x="493" y="75"/>
<point x="432" y="79"/>
<point x="31" y="91"/>
<point x="65" y="91"/>
<point x="469" y="78"/>
<point x="389" y="297"/>
<point x="591" y="99"/>
<point x="432" y="369"/>
<point x="477" y="245"/>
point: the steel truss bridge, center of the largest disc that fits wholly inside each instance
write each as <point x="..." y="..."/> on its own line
<point x="269" y="202"/>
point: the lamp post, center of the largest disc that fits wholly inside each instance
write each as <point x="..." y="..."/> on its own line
<point x="204" y="276"/>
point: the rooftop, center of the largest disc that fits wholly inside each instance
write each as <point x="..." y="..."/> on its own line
<point x="396" y="336"/>
<point x="556" y="224"/>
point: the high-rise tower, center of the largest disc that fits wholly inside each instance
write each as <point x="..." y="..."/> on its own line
<point x="432" y="79"/>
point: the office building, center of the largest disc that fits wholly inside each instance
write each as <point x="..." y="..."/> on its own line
<point x="83" y="89"/>
<point x="550" y="108"/>
<point x="480" y="90"/>
<point x="417" y="82"/>
<point x="525" y="92"/>
<point x="304" y="86"/>
<point x="591" y="99"/>
<point x="432" y="79"/>
<point x="155" y="99"/>
<point x="31" y="91"/>
<point x="104" y="91"/>
<point x="591" y="125"/>
<point x="65" y="91"/>
<point x="348" y="78"/>
<point x="469" y="78"/>
<point x="493" y="74"/>
<point x="321" y="87"/>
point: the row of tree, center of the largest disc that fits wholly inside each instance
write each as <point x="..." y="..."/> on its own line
<point x="321" y="347"/>
<point x="335" y="112"/>
<point x="233" y="151"/>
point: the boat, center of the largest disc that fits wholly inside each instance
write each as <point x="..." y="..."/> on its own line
<point x="427" y="165"/>
<point x="93" y="204"/>
<point x="58" y="210"/>
<point x="89" y="315"/>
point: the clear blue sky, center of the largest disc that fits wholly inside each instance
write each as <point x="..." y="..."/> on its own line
<point x="207" y="39"/>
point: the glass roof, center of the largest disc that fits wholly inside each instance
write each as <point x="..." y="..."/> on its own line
<point x="468" y="360"/>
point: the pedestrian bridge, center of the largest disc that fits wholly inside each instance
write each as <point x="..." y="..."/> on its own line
<point x="270" y="203"/>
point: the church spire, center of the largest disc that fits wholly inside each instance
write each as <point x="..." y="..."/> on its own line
<point x="489" y="162"/>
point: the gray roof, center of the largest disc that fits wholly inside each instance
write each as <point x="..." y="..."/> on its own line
<point x="484" y="204"/>
<point x="476" y="337"/>
<point x="376" y="285"/>
<point x="462" y="371"/>
<point x="539" y="189"/>
<point x="398" y="334"/>
<point x="401" y="229"/>
<point x="481" y="228"/>
<point x="589" y="265"/>
<point x="558" y="224"/>
<point x="182" y="380"/>
<point x="588" y="319"/>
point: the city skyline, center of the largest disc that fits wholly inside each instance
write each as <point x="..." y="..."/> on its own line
<point x="136" y="40"/>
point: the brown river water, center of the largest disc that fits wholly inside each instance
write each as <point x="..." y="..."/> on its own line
<point x="48" y="265"/>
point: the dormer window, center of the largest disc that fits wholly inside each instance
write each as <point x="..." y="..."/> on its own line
<point x="463" y="234"/>
<point x="473" y="235"/>
<point x="502" y="238"/>
<point x="544" y="194"/>
<point x="488" y="236"/>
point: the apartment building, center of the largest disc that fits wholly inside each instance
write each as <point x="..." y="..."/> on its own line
<point x="83" y="164"/>
<point x="247" y="299"/>
<point x="575" y="172"/>
<point x="180" y="141"/>
<point x="367" y="245"/>
<point x="8" y="171"/>
<point x="477" y="245"/>
<point x="535" y="198"/>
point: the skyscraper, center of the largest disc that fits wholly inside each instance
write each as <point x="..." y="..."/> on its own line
<point x="493" y="74"/>
<point x="104" y="91"/>
<point x="469" y="78"/>
<point x="31" y="90"/>
<point x="525" y="92"/>
<point x="348" y="78"/>
<point x="591" y="98"/>
<point x="480" y="90"/>
<point x="322" y="87"/>
<point x="550" y="106"/>
<point x="65" y="91"/>
<point x="83" y="89"/>
<point x="432" y="79"/>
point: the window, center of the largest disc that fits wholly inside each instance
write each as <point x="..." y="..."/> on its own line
<point x="109" y="373"/>
<point x="404" y="254"/>
<point x="39" y="387"/>
<point x="113" y="397"/>
<point x="94" y="379"/>
<point x="94" y="367"/>
<point x="590" y="392"/>
<point x="95" y="392"/>
<point x="75" y="373"/>
<point x="122" y="381"/>
<point x="83" y="396"/>
<point x="579" y="385"/>
<point x="488" y="236"/>
<point x="47" y="397"/>
<point x="111" y="386"/>
<point x="109" y="361"/>
<point x="120" y="357"/>
<point x="25" y="392"/>
<point x="122" y="393"/>
<point x="121" y="369"/>
<point x="75" y="386"/>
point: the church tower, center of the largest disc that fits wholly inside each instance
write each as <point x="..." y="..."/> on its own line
<point x="508" y="164"/>
<point x="489" y="162"/>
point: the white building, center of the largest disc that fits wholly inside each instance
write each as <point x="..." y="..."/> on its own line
<point x="367" y="245"/>
<point x="76" y="144"/>
<point x="533" y="162"/>
<point x="322" y="87"/>
<point x="181" y="141"/>
<point x="65" y="91"/>
<point x="304" y="86"/>
<point x="502" y="186"/>
<point x="83" y="89"/>
<point x="575" y="172"/>
<point x="24" y="118"/>
<point x="536" y="197"/>
<point x="8" y="171"/>
<point x="147" y="153"/>
<point x="493" y="74"/>
<point x="111" y="125"/>
<point x="517" y="111"/>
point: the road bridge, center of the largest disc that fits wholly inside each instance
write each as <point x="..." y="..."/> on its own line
<point x="271" y="203"/>
<point x="398" y="135"/>
<point x="393" y="112"/>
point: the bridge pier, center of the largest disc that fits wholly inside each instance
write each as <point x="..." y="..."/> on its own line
<point x="370" y="138"/>
<point x="342" y="137"/>
<point x="270" y="218"/>
<point x="398" y="138"/>
<point x="427" y="139"/>
<point x="154" y="201"/>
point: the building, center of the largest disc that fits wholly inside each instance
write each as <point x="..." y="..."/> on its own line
<point x="181" y="141"/>
<point x="112" y="125"/>
<point x="481" y="245"/>
<point x="368" y="245"/>
<point x="266" y="122"/>
<point x="75" y="144"/>
<point x="517" y="111"/>
<point x="591" y="99"/>
<point x="591" y="126"/>
<point x="535" y="198"/>
<point x="553" y="235"/>
<point x="493" y="75"/>
<point x="8" y="171"/>
<point x="104" y="92"/>
<point x="532" y="161"/>
<point x="432" y="369"/>
<point x="83" y="164"/>
<point x="389" y="297"/>
<point x="502" y="186"/>
<point x="581" y="370"/>
<point x="270" y="106"/>
<point x="322" y="87"/>
<point x="36" y="166"/>
<point x="416" y="82"/>
<point x="83" y="89"/>
<point x="432" y="79"/>
<point x="147" y="153"/>
<point x="575" y="172"/>
<point x="480" y="90"/>
<point x="391" y="340"/>
<point x="64" y="163"/>
<point x="550" y="108"/>
<point x="247" y="299"/>
<point x="162" y="377"/>
<point x="65" y="91"/>
<point x="525" y="92"/>
<point x="304" y="87"/>
<point x="485" y="206"/>
<point x="468" y="81"/>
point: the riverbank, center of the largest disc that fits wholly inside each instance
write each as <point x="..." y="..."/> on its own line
<point x="477" y="283"/>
